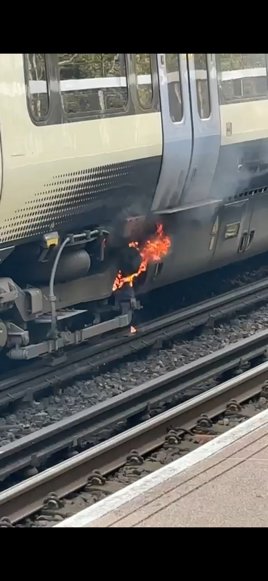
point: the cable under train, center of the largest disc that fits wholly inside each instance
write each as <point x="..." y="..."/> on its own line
<point x="122" y="173"/>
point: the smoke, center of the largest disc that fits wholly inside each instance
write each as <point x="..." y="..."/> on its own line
<point x="132" y="223"/>
<point x="130" y="261"/>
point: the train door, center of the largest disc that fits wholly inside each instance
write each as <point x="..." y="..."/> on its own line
<point x="206" y="127"/>
<point x="177" y="130"/>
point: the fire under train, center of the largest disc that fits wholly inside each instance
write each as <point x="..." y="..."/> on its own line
<point x="121" y="173"/>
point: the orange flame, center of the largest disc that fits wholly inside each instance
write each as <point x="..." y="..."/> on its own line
<point x="152" y="251"/>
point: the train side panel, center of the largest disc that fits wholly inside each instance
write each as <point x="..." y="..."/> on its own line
<point x="189" y="211"/>
<point x="241" y="180"/>
<point x="225" y="221"/>
<point x="70" y="175"/>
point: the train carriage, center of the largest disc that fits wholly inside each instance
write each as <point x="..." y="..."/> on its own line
<point x="150" y="166"/>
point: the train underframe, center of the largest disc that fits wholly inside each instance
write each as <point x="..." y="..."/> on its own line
<point x="58" y="292"/>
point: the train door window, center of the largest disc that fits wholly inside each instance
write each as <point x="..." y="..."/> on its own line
<point x="92" y="83"/>
<point x="37" y="86"/>
<point x="143" y="71"/>
<point x="242" y="77"/>
<point x="174" y="87"/>
<point x="202" y="85"/>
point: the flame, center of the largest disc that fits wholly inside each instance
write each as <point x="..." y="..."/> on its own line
<point x="133" y="329"/>
<point x="152" y="251"/>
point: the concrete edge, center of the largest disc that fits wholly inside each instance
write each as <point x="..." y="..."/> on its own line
<point x="116" y="500"/>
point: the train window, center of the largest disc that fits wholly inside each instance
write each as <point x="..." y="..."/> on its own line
<point x="202" y="85"/>
<point x="174" y="87"/>
<point x="144" y="79"/>
<point x="92" y="83"/>
<point x="37" y="85"/>
<point x="242" y="77"/>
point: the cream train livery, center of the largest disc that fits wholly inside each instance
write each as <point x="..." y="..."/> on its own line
<point x="122" y="171"/>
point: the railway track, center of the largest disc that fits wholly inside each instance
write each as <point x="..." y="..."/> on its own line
<point x="46" y="375"/>
<point x="69" y="435"/>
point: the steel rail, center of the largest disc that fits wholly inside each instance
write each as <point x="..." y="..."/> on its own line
<point x="27" y="497"/>
<point x="68" y="433"/>
<point x="42" y="376"/>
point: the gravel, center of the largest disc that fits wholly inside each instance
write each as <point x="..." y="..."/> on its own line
<point x="88" y="392"/>
<point x="132" y="471"/>
<point x="202" y="287"/>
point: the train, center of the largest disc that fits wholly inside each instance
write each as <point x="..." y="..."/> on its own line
<point x="121" y="174"/>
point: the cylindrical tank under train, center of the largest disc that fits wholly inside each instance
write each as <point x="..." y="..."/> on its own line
<point x="136" y="169"/>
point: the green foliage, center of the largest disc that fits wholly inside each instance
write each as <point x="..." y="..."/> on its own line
<point x="82" y="66"/>
<point x="143" y="64"/>
<point x="172" y="62"/>
<point x="231" y="61"/>
<point x="143" y="67"/>
<point x="36" y="68"/>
